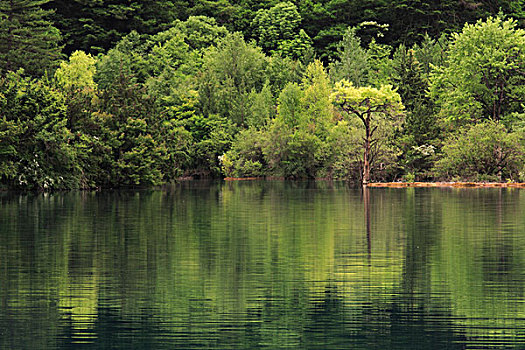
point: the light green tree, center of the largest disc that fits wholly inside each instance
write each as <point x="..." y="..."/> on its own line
<point x="171" y="66"/>
<point x="293" y="144"/>
<point x="290" y="107"/>
<point x="318" y="110"/>
<point x="77" y="73"/>
<point x="296" y="139"/>
<point x="372" y="106"/>
<point x="483" y="76"/>
<point x="75" y="78"/>
<point x="360" y="66"/>
<point x="381" y="68"/>
<point x="262" y="107"/>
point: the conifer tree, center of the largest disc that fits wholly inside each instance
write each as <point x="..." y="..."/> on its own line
<point x="94" y="26"/>
<point x="28" y="39"/>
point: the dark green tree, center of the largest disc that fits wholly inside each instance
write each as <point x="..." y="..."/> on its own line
<point x="231" y="14"/>
<point x="94" y="26"/>
<point x="132" y="121"/>
<point x="411" y="19"/>
<point x="278" y="31"/>
<point x="35" y="144"/>
<point x="419" y="137"/>
<point x="28" y="38"/>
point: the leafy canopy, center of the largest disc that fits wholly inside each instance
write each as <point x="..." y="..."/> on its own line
<point x="360" y="101"/>
<point x="483" y="76"/>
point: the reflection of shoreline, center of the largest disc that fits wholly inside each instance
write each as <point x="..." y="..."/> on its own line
<point x="448" y="184"/>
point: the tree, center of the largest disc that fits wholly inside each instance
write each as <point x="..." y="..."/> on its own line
<point x="262" y="108"/>
<point x="352" y="59"/>
<point x="484" y="74"/>
<point x="199" y="32"/>
<point x="75" y="79"/>
<point x="130" y="116"/>
<point x="28" y="39"/>
<point x="170" y="67"/>
<point x="370" y="66"/>
<point x="411" y="20"/>
<point x="371" y="106"/>
<point x="295" y="143"/>
<point x="381" y="69"/>
<point x="335" y="18"/>
<point x="277" y="31"/>
<point x="131" y="121"/>
<point x="231" y="71"/>
<point x="245" y="158"/>
<point x="318" y="109"/>
<point x="421" y="133"/>
<point x="223" y="11"/>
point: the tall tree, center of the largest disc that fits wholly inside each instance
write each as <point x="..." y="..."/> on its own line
<point x="230" y="72"/>
<point x="371" y="106"/>
<point x="28" y="39"/>
<point x="483" y="76"/>
<point x="352" y="59"/>
<point x="421" y="131"/>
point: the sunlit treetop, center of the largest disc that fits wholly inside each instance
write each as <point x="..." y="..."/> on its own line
<point x="363" y="100"/>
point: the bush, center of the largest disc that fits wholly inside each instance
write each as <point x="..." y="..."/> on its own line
<point x="484" y="151"/>
<point x="35" y="144"/>
<point x="245" y="159"/>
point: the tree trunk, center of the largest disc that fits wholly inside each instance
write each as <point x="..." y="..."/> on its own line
<point x="366" y="163"/>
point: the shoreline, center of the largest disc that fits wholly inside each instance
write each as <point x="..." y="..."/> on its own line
<point x="449" y="184"/>
<point x="439" y="184"/>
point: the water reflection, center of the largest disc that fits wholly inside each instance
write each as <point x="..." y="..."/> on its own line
<point x="366" y="204"/>
<point x="263" y="265"/>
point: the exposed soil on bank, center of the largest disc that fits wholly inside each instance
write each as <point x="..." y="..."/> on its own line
<point x="413" y="184"/>
<point x="242" y="178"/>
<point x="449" y="184"/>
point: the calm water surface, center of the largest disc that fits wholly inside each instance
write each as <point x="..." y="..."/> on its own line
<point x="263" y="265"/>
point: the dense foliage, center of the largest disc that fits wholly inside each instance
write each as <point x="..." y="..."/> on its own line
<point x="137" y="93"/>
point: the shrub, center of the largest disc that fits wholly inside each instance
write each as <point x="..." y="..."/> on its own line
<point x="482" y="151"/>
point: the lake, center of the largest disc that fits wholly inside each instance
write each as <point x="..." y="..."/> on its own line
<point x="263" y="265"/>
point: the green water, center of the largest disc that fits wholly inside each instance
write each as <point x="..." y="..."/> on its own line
<point x="251" y="265"/>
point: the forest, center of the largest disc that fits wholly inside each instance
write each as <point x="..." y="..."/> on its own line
<point x="126" y="93"/>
